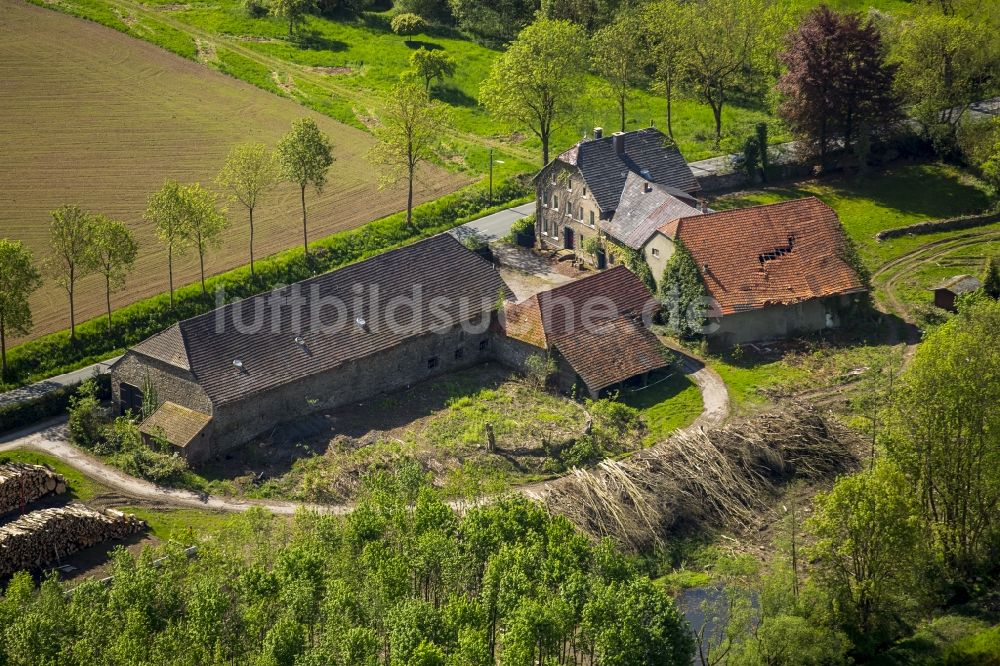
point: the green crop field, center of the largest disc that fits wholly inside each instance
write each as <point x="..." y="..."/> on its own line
<point x="93" y="117"/>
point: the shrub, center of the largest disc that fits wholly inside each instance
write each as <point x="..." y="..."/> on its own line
<point x="407" y="24"/>
<point x="524" y="226"/>
<point x="131" y="455"/>
<point x="53" y="403"/>
<point x="86" y="416"/>
<point x="255" y="8"/>
<point x="538" y="368"/>
<point x="583" y="452"/>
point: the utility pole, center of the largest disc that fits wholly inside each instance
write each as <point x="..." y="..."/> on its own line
<point x="491" y="176"/>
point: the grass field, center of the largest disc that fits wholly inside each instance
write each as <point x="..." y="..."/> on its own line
<point x="93" y="117"/>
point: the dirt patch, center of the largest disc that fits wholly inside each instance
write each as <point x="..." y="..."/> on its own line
<point x="128" y="19"/>
<point x="283" y="82"/>
<point x="206" y="51"/>
<point x="332" y="71"/>
<point x="256" y="38"/>
<point x="174" y="7"/>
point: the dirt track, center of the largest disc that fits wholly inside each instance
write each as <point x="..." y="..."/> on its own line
<point x="97" y="118"/>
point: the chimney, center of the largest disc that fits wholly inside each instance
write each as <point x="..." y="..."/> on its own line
<point x="619" y="139"/>
<point x="598" y="132"/>
<point x="703" y="205"/>
<point x="647" y="188"/>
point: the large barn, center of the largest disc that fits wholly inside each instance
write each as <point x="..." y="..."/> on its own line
<point x="377" y="326"/>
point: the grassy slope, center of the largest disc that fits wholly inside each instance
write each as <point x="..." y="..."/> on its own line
<point x="667" y="406"/>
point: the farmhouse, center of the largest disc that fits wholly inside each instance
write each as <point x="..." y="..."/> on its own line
<point x="771" y="271"/>
<point x="380" y="325"/>
<point x="946" y="293"/>
<point x="582" y="188"/>
<point x="592" y="328"/>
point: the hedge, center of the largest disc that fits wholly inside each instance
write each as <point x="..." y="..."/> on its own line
<point x="53" y="403"/>
<point x="54" y="354"/>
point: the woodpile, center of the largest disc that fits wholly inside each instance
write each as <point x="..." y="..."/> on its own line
<point x="44" y="536"/>
<point x="721" y="477"/>
<point x="21" y="483"/>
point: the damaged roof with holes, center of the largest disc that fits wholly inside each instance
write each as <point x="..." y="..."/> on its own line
<point x="255" y="344"/>
<point x="612" y="352"/>
<point x="648" y="152"/>
<point x="776" y="254"/>
<point x="563" y="310"/>
<point x="175" y="423"/>
<point x="643" y="208"/>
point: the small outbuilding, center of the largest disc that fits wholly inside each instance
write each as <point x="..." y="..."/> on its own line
<point x="948" y="291"/>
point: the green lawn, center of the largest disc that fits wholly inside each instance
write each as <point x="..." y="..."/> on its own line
<point x="896" y="197"/>
<point x="747" y="376"/>
<point x="667" y="406"/>
<point x="916" y="287"/>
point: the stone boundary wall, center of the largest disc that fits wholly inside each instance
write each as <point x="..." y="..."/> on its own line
<point x="934" y="226"/>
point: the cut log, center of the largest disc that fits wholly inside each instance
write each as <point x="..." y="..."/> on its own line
<point x="21" y="483"/>
<point x="43" y="537"/>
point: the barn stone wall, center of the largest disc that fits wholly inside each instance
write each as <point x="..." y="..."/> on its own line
<point x="171" y="383"/>
<point x="777" y="321"/>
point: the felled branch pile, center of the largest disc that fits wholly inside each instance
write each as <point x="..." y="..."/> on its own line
<point x="723" y="476"/>
<point x="21" y="483"/>
<point x="44" y="536"/>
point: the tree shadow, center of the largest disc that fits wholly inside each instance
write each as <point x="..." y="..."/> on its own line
<point x="416" y="44"/>
<point x="453" y="96"/>
<point x="313" y="40"/>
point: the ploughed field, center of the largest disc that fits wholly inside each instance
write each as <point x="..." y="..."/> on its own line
<point x="94" y="117"/>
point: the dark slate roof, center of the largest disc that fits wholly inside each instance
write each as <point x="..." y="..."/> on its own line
<point x="550" y="315"/>
<point x="166" y="346"/>
<point x="960" y="284"/>
<point x="643" y="208"/>
<point x="453" y="285"/>
<point x="612" y="352"/>
<point x="647" y="150"/>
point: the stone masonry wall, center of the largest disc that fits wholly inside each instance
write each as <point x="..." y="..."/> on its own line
<point x="171" y="383"/>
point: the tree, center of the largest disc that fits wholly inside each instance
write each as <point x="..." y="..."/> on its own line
<point x="431" y="65"/>
<point x="18" y="279"/>
<point x="203" y="222"/>
<point x="406" y="25"/>
<point x="114" y="252"/>
<point x="165" y="209"/>
<point x="293" y="11"/>
<point x="836" y="78"/>
<point x="868" y="545"/>
<point x="731" y="42"/>
<point x="946" y="433"/>
<point x="618" y="53"/>
<point x="945" y="63"/>
<point x="304" y="156"/>
<point x="407" y="136"/>
<point x="72" y="239"/>
<point x="538" y="80"/>
<point x="249" y="171"/>
<point x="496" y="22"/>
<point x="682" y="293"/>
<point x="666" y="25"/>
<point x="991" y="278"/>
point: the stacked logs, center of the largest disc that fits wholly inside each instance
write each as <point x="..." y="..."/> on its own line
<point x="44" y="536"/>
<point x="21" y="483"/>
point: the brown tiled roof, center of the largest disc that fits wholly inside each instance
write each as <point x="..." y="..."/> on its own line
<point x="779" y="253"/>
<point x="612" y="352"/>
<point x="167" y="346"/>
<point x="645" y="206"/>
<point x="441" y="268"/>
<point x="551" y="314"/>
<point x="175" y="423"/>
<point x="646" y="150"/>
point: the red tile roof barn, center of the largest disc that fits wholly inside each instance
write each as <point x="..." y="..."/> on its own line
<point x="613" y="352"/>
<point x="552" y="314"/>
<point x="781" y="253"/>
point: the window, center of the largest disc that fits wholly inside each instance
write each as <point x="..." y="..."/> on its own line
<point x="581" y="213"/>
<point x="555" y="202"/>
<point x="432" y="362"/>
<point x="483" y="344"/>
<point x="591" y="218"/>
<point x="655" y="252"/>
<point x="584" y="190"/>
<point x="459" y="353"/>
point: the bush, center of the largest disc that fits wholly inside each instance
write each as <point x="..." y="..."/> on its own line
<point x="255" y="8"/>
<point x="130" y="454"/>
<point x="86" y="416"/>
<point x="54" y="353"/>
<point x="538" y="368"/>
<point x="407" y="24"/>
<point x="53" y="403"/>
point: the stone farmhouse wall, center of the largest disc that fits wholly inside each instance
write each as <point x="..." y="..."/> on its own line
<point x="779" y="321"/>
<point x="171" y="383"/>
<point x="562" y="201"/>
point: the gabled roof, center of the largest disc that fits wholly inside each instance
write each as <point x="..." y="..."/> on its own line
<point x="175" y="423"/>
<point x="612" y="352"/>
<point x="960" y="284"/>
<point x="549" y="315"/>
<point x="781" y="253"/>
<point x="428" y="286"/>
<point x="166" y="346"/>
<point x="645" y="206"/>
<point x="647" y="152"/>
